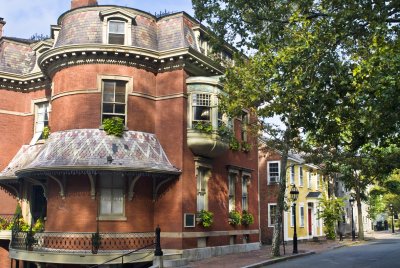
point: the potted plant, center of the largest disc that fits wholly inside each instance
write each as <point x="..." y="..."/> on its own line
<point x="247" y="218"/>
<point x="114" y="126"/>
<point x="205" y="218"/>
<point x="234" y="217"/>
<point x="234" y="144"/>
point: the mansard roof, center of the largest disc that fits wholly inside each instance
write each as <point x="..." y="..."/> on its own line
<point x="92" y="151"/>
<point x="16" y="55"/>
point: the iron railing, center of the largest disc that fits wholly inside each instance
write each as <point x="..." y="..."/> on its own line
<point x="73" y="242"/>
<point x="6" y="221"/>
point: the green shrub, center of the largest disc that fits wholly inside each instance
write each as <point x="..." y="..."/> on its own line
<point x="206" y="218"/>
<point x="234" y="217"/>
<point x="247" y="218"/>
<point x="114" y="126"/>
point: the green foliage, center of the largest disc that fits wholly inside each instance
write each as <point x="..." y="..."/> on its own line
<point x="38" y="226"/>
<point x="225" y="132"/>
<point x="234" y="144"/>
<point x="114" y="126"/>
<point x="234" y="217"/>
<point x="46" y="132"/>
<point x="331" y="212"/>
<point x="245" y="146"/>
<point x="206" y="218"/>
<point x="247" y="218"/>
<point x="203" y="126"/>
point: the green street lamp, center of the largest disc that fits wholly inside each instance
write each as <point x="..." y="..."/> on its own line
<point x="294" y="194"/>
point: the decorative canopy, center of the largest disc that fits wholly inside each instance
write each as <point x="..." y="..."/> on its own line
<point x="91" y="151"/>
<point x="24" y="156"/>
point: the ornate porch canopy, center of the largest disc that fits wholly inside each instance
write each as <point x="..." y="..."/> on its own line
<point x="92" y="151"/>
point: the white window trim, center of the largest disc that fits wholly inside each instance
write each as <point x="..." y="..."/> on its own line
<point x="35" y="104"/>
<point x="309" y="180"/>
<point x="301" y="206"/>
<point x="200" y="164"/>
<point x="292" y="176"/>
<point x="271" y="224"/>
<point x="114" y="217"/>
<point x="128" y="27"/>
<point x="268" y="172"/>
<point x="246" y="178"/>
<point x="128" y="89"/>
<point x="301" y="176"/>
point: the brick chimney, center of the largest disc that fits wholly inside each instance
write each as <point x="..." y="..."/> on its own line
<point x="83" y="3"/>
<point x="2" y="23"/>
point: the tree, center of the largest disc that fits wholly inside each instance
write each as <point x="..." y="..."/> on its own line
<point x="332" y="211"/>
<point x="328" y="69"/>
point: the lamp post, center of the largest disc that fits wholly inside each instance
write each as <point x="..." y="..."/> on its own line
<point x="353" y="232"/>
<point x="391" y="210"/>
<point x="294" y="194"/>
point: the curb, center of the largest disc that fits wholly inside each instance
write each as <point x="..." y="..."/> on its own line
<point x="280" y="259"/>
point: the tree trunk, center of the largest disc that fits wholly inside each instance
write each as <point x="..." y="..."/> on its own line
<point x="359" y="213"/>
<point x="276" y="239"/>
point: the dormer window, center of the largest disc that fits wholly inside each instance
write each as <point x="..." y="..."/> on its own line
<point x="116" y="32"/>
<point x="117" y="26"/>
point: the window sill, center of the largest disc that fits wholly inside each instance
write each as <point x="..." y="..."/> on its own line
<point x="112" y="218"/>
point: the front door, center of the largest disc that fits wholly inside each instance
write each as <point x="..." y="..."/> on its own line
<point x="309" y="221"/>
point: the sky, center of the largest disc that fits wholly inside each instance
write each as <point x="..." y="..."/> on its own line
<point x="25" y="18"/>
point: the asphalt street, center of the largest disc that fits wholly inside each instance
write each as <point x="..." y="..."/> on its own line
<point x="380" y="253"/>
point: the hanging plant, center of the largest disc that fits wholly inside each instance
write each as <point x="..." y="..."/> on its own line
<point x="247" y="218"/>
<point x="114" y="126"/>
<point x="245" y="146"/>
<point x="234" y="144"/>
<point x="205" y="218"/>
<point x="234" y="218"/>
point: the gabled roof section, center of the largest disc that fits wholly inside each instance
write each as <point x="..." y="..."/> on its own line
<point x="91" y="151"/>
<point x="43" y="45"/>
<point x="117" y="12"/>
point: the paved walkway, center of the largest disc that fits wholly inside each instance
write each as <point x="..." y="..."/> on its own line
<point x="252" y="258"/>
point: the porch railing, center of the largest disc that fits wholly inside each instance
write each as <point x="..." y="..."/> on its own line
<point x="73" y="242"/>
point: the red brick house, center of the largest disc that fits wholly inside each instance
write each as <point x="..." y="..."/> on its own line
<point x="102" y="196"/>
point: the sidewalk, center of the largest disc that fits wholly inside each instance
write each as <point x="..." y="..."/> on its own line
<point x="255" y="258"/>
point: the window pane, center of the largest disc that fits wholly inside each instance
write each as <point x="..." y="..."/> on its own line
<point x="105" y="201"/>
<point x="120" y="108"/>
<point x="108" y="108"/>
<point x="116" y="27"/>
<point x="201" y="113"/>
<point x="118" y="201"/>
<point x="116" y="39"/>
<point x="120" y="92"/>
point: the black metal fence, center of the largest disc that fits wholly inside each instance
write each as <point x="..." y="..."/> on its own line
<point x="71" y="242"/>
